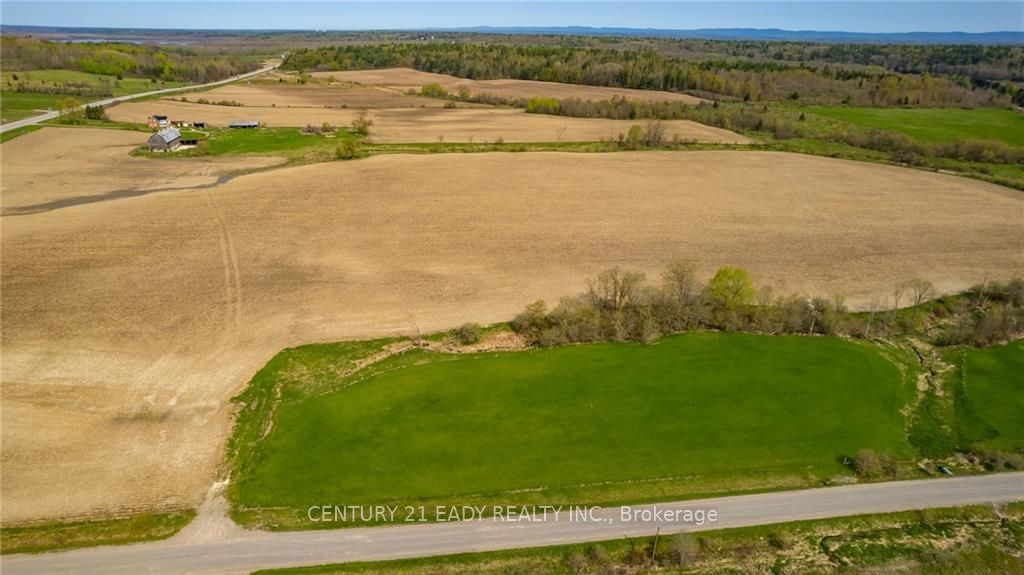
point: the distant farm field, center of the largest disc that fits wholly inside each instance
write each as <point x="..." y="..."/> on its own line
<point x="989" y="411"/>
<point x="941" y="125"/>
<point x="425" y="124"/>
<point x="595" y="423"/>
<point x="404" y="79"/>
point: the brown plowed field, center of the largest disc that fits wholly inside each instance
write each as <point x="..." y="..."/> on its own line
<point x="403" y="79"/>
<point x="403" y="125"/>
<point x="267" y="94"/>
<point x="128" y="324"/>
<point x="61" y="164"/>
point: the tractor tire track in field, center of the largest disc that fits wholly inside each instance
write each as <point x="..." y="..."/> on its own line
<point x="229" y="259"/>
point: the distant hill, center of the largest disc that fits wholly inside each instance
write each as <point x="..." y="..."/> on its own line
<point x="1007" y="37"/>
<point x="763" y="34"/>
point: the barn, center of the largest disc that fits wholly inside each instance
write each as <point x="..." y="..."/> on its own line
<point x="165" y="140"/>
<point x="244" y="124"/>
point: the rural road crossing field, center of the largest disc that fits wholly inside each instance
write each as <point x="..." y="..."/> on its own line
<point x="53" y="114"/>
<point x="244" y="551"/>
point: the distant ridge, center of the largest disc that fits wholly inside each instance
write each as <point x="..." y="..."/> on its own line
<point x="756" y="34"/>
<point x="1005" y="37"/>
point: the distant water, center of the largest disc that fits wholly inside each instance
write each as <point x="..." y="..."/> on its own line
<point x="120" y="40"/>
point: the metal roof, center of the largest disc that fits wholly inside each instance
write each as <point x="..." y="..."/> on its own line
<point x="168" y="135"/>
<point x="236" y="123"/>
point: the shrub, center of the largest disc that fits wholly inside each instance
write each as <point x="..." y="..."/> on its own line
<point x="468" y="333"/>
<point x="361" y="124"/>
<point x="542" y="106"/>
<point x="347" y="150"/>
<point x="731" y="287"/>
<point x="868" y="465"/>
<point x="202" y="148"/>
<point x="95" y="113"/>
<point x="434" y="90"/>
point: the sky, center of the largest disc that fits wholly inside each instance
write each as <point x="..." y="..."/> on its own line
<point x="869" y="16"/>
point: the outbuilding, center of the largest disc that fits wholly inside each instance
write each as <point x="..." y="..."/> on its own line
<point x="156" y="121"/>
<point x="244" y="124"/>
<point x="165" y="140"/>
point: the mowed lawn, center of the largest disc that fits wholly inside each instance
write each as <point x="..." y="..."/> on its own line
<point x="582" y="423"/>
<point x="935" y="125"/>
<point x="991" y="411"/>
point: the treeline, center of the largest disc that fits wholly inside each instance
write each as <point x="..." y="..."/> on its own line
<point x="169" y="64"/>
<point x="620" y="305"/>
<point x="649" y="70"/>
<point x="760" y="118"/>
<point x="80" y="89"/>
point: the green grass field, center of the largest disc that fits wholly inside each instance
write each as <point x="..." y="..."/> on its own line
<point x="270" y="140"/>
<point x="598" y="423"/>
<point x="15" y="105"/>
<point x="935" y="125"/>
<point x="990" y="407"/>
<point x="18" y="105"/>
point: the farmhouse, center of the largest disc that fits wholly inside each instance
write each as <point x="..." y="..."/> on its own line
<point x="165" y="140"/>
<point x="156" y="121"/>
<point x="245" y="124"/>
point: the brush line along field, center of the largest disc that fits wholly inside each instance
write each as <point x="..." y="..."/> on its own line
<point x="583" y="424"/>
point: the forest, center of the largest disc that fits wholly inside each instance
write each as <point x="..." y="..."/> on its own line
<point x="829" y="74"/>
<point x="123" y="60"/>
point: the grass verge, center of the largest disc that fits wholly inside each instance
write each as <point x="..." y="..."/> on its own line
<point x="70" y="535"/>
<point x="11" y="134"/>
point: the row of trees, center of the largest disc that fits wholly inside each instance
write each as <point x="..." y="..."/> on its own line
<point x="620" y="305"/>
<point x="167" y="63"/>
<point x="650" y="70"/>
<point x="760" y="118"/>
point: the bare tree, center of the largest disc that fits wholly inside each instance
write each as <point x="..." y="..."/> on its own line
<point x="615" y="289"/>
<point x="680" y="281"/>
<point x="873" y="306"/>
<point x="897" y="294"/>
<point x="921" y="291"/>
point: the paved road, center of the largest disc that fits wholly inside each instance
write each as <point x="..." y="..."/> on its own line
<point x="51" y="115"/>
<point x="244" y="552"/>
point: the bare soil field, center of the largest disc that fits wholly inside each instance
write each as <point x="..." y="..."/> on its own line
<point x="337" y="95"/>
<point x="129" y="323"/>
<point x="406" y="78"/>
<point x="61" y="164"/>
<point x="405" y="125"/>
